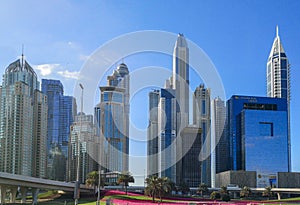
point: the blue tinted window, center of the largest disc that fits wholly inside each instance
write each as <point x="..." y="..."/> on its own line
<point x="283" y="74"/>
<point x="105" y="96"/>
<point x="203" y="107"/>
<point x="265" y="129"/>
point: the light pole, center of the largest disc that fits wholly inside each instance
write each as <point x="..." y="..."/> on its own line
<point x="99" y="184"/>
<point x="77" y="184"/>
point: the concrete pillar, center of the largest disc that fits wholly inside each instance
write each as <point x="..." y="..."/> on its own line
<point x="35" y="193"/>
<point x="278" y="196"/>
<point x="2" y="194"/>
<point x="13" y="194"/>
<point x="23" y="191"/>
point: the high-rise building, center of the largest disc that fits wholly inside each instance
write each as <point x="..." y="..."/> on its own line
<point x="258" y="133"/>
<point x="61" y="113"/>
<point x="83" y="135"/>
<point x="278" y="78"/>
<point x="112" y="115"/>
<point x="167" y="147"/>
<point x="189" y="166"/>
<point x="152" y="134"/>
<point x="180" y="80"/>
<point x="219" y="142"/>
<point x="201" y="118"/>
<point x="23" y="120"/>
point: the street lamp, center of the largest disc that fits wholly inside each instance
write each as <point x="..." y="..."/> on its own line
<point x="77" y="184"/>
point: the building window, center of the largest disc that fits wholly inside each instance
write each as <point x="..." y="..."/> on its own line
<point x="266" y="129"/>
<point x="203" y="107"/>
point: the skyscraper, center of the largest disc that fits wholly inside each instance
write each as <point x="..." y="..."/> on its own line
<point x="23" y="120"/>
<point x="181" y="80"/>
<point x="201" y="118"/>
<point x="61" y="113"/>
<point x="167" y="147"/>
<point x="219" y="143"/>
<point x="152" y="134"/>
<point x="258" y="133"/>
<point x="83" y="130"/>
<point x="112" y="116"/>
<point x="278" y="78"/>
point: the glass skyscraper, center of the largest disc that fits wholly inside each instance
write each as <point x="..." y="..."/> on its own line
<point x="278" y="78"/>
<point x="112" y="121"/>
<point x="201" y="118"/>
<point x="61" y="112"/>
<point x="82" y="129"/>
<point x="23" y="122"/>
<point x="258" y="134"/>
<point x="152" y="134"/>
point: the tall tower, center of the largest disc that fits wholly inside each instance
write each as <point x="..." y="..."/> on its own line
<point x="201" y="118"/>
<point x="23" y="119"/>
<point x="278" y="78"/>
<point x="83" y="128"/>
<point x="152" y="134"/>
<point x="61" y="113"/>
<point x="219" y="144"/>
<point x="181" y="80"/>
<point x="112" y="119"/>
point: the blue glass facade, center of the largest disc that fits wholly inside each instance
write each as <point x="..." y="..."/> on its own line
<point x="257" y="129"/>
<point x="61" y="113"/>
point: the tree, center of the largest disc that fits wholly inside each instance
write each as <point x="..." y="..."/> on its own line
<point x="125" y="178"/>
<point x="268" y="192"/>
<point x="152" y="187"/>
<point x="157" y="187"/>
<point x="92" y="179"/>
<point x="224" y="194"/>
<point x="245" y="192"/>
<point x="203" y="188"/>
<point x="215" y="195"/>
<point x="164" y="187"/>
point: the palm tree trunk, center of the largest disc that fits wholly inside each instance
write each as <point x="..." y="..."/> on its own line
<point x="153" y="198"/>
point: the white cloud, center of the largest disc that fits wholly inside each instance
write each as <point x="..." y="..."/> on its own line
<point x="46" y="69"/>
<point x="69" y="74"/>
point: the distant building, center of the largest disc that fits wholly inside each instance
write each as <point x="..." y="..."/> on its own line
<point x="202" y="119"/>
<point x="278" y="79"/>
<point x="189" y="168"/>
<point x="23" y="120"/>
<point x="167" y="146"/>
<point x="258" y="135"/>
<point x="112" y="121"/>
<point x="219" y="144"/>
<point x="61" y="113"/>
<point x="83" y="130"/>
<point x="152" y="134"/>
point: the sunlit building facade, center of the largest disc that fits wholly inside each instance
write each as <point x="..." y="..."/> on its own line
<point x="258" y="134"/>
<point x="23" y="122"/>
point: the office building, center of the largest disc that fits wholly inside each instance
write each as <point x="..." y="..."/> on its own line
<point x="23" y="120"/>
<point x="180" y="81"/>
<point x="167" y="146"/>
<point x="152" y="134"/>
<point x="189" y="168"/>
<point x="201" y="118"/>
<point x="258" y="136"/>
<point x="112" y="115"/>
<point x="278" y="78"/>
<point x="61" y="113"/>
<point x="83" y="135"/>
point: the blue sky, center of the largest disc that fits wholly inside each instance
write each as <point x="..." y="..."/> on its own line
<point x="237" y="35"/>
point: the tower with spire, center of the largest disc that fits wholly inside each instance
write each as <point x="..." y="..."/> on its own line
<point x="278" y="78"/>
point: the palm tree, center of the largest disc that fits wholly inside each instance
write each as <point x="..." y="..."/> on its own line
<point x="203" y="188"/>
<point x="92" y="179"/>
<point x="153" y="185"/>
<point x="125" y="178"/>
<point x="245" y="192"/>
<point x="164" y="187"/>
<point x="268" y="192"/>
